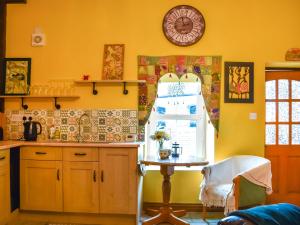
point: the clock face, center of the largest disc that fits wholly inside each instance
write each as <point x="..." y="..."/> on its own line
<point x="183" y="25"/>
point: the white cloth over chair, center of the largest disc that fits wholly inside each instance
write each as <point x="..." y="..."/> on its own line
<point x="217" y="185"/>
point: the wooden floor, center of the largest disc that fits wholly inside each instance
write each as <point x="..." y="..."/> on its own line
<point x="194" y="218"/>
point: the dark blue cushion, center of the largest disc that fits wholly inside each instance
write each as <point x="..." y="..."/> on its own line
<point x="276" y="214"/>
<point x="234" y="220"/>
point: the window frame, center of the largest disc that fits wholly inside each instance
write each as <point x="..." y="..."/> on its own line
<point x="204" y="119"/>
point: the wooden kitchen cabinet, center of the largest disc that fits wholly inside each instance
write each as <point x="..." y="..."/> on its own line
<point x="81" y="180"/>
<point x="41" y="179"/>
<point x="81" y="187"/>
<point x="4" y="186"/>
<point x="118" y="180"/>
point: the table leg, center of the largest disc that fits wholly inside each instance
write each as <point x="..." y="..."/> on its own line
<point x="152" y="212"/>
<point x="166" y="213"/>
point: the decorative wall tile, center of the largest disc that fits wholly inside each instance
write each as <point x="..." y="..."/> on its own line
<point x="102" y="137"/>
<point x="100" y="126"/>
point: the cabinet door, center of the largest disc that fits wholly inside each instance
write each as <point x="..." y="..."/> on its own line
<point x="81" y="187"/>
<point x="41" y="185"/>
<point x="4" y="186"/>
<point x="118" y="185"/>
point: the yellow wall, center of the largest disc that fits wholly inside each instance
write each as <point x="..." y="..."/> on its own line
<point x="76" y="30"/>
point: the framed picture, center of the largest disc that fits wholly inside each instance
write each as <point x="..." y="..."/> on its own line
<point x="113" y="62"/>
<point x="16" y="76"/>
<point x="239" y="86"/>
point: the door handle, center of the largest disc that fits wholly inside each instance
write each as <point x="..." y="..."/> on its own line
<point x="102" y="176"/>
<point x="40" y="153"/>
<point x="79" y="154"/>
<point x="57" y="175"/>
<point x="94" y="176"/>
<point x="2" y="158"/>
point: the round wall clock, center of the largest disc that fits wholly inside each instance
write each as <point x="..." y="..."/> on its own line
<point x="183" y="25"/>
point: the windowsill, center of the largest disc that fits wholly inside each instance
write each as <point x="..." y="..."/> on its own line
<point x="177" y="168"/>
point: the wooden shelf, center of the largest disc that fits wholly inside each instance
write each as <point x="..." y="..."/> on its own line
<point x="94" y="82"/>
<point x="38" y="96"/>
<point x="25" y="106"/>
<point x="110" y="81"/>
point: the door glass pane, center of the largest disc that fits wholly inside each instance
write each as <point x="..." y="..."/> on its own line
<point x="270" y="112"/>
<point x="295" y="134"/>
<point x="283" y="111"/>
<point x="283" y="89"/>
<point x="270" y="134"/>
<point x="295" y="111"/>
<point x="271" y="89"/>
<point x="283" y="134"/>
<point x="295" y="89"/>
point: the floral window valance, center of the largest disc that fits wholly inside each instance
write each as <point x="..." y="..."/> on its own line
<point x="151" y="68"/>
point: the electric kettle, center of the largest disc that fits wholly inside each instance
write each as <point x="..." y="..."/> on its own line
<point x="31" y="129"/>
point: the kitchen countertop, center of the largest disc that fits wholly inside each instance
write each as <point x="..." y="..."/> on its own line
<point x="11" y="144"/>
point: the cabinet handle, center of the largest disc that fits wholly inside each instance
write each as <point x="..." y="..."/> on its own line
<point x="40" y="153"/>
<point x="79" y="154"/>
<point x="94" y="176"/>
<point x="102" y="176"/>
<point x="57" y="174"/>
<point x="2" y="158"/>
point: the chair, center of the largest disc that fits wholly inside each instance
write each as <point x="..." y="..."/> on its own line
<point x="239" y="181"/>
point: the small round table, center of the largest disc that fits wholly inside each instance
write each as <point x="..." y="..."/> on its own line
<point x="166" y="213"/>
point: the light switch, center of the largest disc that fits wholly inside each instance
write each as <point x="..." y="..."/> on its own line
<point x="252" y="116"/>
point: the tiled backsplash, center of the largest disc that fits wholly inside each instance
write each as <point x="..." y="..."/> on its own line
<point x="103" y="125"/>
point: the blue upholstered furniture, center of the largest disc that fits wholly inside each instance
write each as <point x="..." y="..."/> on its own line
<point x="276" y="214"/>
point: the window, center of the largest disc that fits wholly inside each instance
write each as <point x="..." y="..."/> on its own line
<point x="180" y="111"/>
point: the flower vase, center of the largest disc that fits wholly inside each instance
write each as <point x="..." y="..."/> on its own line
<point x="160" y="145"/>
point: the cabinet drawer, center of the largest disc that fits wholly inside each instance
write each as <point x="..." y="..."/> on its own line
<point x="41" y="153"/>
<point x="80" y="154"/>
<point x="4" y="157"/>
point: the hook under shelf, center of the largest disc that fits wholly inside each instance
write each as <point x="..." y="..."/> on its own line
<point x="57" y="106"/>
<point x="95" y="92"/>
<point x="125" y="91"/>
<point x="24" y="106"/>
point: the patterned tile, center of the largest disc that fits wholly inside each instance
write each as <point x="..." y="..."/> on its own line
<point x="64" y="113"/>
<point x="50" y="113"/>
<point x="100" y="125"/>
<point x="126" y="129"/>
<point x="109" y="113"/>
<point x="132" y="130"/>
<point x="64" y="137"/>
<point x="102" y="137"/>
<point x="72" y="121"/>
<point x="102" y="121"/>
<point x="101" y="129"/>
<point x="126" y="113"/>
<point x="101" y="113"/>
<point x="72" y="113"/>
<point x="64" y="121"/>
